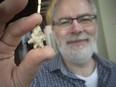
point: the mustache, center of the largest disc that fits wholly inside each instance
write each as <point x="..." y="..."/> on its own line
<point x="75" y="37"/>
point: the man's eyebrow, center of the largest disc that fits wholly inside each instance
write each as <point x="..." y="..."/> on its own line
<point x="79" y="16"/>
<point x="86" y="14"/>
<point x="65" y="18"/>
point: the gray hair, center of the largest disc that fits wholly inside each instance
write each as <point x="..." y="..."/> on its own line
<point x="91" y="2"/>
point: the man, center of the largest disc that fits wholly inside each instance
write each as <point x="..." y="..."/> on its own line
<point x="76" y="64"/>
<point x="74" y="27"/>
<point x="10" y="74"/>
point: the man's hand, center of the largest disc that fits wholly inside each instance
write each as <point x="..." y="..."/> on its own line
<point x="10" y="74"/>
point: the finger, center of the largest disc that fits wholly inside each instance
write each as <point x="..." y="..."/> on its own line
<point x="17" y="29"/>
<point x="29" y="66"/>
<point x="9" y="8"/>
<point x="1" y="29"/>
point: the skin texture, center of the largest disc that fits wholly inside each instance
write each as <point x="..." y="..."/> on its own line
<point x="74" y="8"/>
<point x="10" y="74"/>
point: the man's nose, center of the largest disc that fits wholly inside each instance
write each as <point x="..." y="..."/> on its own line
<point x="76" y="27"/>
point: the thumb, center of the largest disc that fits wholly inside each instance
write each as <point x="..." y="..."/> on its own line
<point x="30" y="65"/>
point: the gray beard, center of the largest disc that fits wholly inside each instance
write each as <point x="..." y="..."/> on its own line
<point x="79" y="54"/>
<point x="77" y="57"/>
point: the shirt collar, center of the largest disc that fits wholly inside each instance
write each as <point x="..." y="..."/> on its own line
<point x="102" y="61"/>
<point x="55" y="63"/>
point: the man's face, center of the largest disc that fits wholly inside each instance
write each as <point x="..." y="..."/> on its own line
<point x="76" y="40"/>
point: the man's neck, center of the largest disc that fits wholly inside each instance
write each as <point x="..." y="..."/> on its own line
<point x="85" y="69"/>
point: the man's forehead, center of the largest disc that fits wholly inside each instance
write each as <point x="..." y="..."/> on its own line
<point x="72" y="6"/>
<point x="70" y="3"/>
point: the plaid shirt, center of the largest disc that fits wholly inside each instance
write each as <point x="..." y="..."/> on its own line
<point x="53" y="73"/>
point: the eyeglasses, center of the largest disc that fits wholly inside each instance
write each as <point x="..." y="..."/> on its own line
<point x="84" y="20"/>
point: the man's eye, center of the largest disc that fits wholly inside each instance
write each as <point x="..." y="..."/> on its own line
<point x="84" y="20"/>
<point x="64" y="22"/>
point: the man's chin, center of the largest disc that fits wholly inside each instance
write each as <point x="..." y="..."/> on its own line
<point x="77" y="55"/>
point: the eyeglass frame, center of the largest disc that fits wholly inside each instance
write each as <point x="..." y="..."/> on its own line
<point x="70" y="20"/>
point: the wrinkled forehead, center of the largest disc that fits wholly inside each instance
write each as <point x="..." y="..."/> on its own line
<point x="71" y="7"/>
<point x="65" y="2"/>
